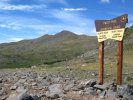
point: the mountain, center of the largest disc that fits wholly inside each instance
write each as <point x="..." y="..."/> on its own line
<point x="47" y="49"/>
<point x="63" y="46"/>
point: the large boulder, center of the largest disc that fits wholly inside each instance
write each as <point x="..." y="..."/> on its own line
<point x="90" y="91"/>
<point x="26" y="97"/>
<point x="101" y="87"/>
<point x="18" y="94"/>
<point x="127" y="97"/>
<point x="87" y="83"/>
<point x="124" y="89"/>
<point x="55" y="91"/>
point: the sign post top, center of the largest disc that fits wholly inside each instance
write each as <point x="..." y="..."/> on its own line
<point x="109" y="24"/>
<point x="108" y="28"/>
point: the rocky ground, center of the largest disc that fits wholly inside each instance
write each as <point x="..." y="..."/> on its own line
<point x="32" y="85"/>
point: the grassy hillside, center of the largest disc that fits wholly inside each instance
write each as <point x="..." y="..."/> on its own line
<point x="63" y="46"/>
<point x="47" y="49"/>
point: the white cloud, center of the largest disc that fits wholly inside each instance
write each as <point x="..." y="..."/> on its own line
<point x="6" y="35"/>
<point x="63" y="2"/>
<point x="20" y="7"/>
<point x="105" y="1"/>
<point x="4" y="1"/>
<point x="67" y="21"/>
<point x="6" y="5"/>
<point x="74" y="9"/>
<point x="13" y="26"/>
<point x="71" y="17"/>
<point x="15" y="39"/>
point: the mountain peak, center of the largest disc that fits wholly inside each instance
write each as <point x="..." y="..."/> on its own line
<point x="65" y="32"/>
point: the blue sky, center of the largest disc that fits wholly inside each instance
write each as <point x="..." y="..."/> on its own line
<point x="28" y="19"/>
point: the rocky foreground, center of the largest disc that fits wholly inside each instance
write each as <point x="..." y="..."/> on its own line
<point x="31" y="85"/>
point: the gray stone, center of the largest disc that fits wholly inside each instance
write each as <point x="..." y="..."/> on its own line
<point x="127" y="97"/>
<point x="91" y="82"/>
<point x="101" y="87"/>
<point x="87" y="83"/>
<point x="52" y="95"/>
<point x="36" y="97"/>
<point x="22" y="81"/>
<point x="26" y="97"/>
<point x="49" y="79"/>
<point x="68" y="87"/>
<point x="13" y="87"/>
<point x="0" y="80"/>
<point x="124" y="89"/>
<point x="23" y="77"/>
<point x="18" y="94"/>
<point x="128" y="78"/>
<point x="34" y="84"/>
<point x="111" y="93"/>
<point x="32" y="75"/>
<point x="99" y="92"/>
<point x="4" y="97"/>
<point x="21" y="89"/>
<point x="102" y="95"/>
<point x="55" y="91"/>
<point x="3" y="92"/>
<point x="43" y="83"/>
<point x="81" y="92"/>
<point x="94" y="74"/>
<point x="90" y="91"/>
<point x="56" y="80"/>
<point x="12" y="96"/>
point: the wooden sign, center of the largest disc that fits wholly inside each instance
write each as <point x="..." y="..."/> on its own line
<point x="111" y="29"/>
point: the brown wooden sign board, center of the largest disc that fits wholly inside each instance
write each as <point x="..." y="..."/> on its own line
<point x="116" y="23"/>
<point x="111" y="29"/>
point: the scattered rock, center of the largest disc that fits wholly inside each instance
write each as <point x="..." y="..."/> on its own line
<point x="0" y="80"/>
<point x="55" y="91"/>
<point x="2" y="92"/>
<point x="128" y="78"/>
<point x="101" y="87"/>
<point x="127" y="97"/>
<point x="68" y="87"/>
<point x="87" y="83"/>
<point x="30" y="85"/>
<point x="34" y="84"/>
<point x="36" y="97"/>
<point x="4" y="97"/>
<point x="26" y="97"/>
<point x="13" y="87"/>
<point x="124" y="89"/>
<point x="103" y="94"/>
<point x="111" y="94"/>
<point x="90" y="91"/>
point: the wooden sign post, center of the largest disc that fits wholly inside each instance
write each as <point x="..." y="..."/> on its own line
<point x="119" y="62"/>
<point x="111" y="29"/>
<point x="101" y="62"/>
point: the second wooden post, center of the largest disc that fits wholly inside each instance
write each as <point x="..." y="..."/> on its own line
<point x="101" y="62"/>
<point x="119" y="62"/>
